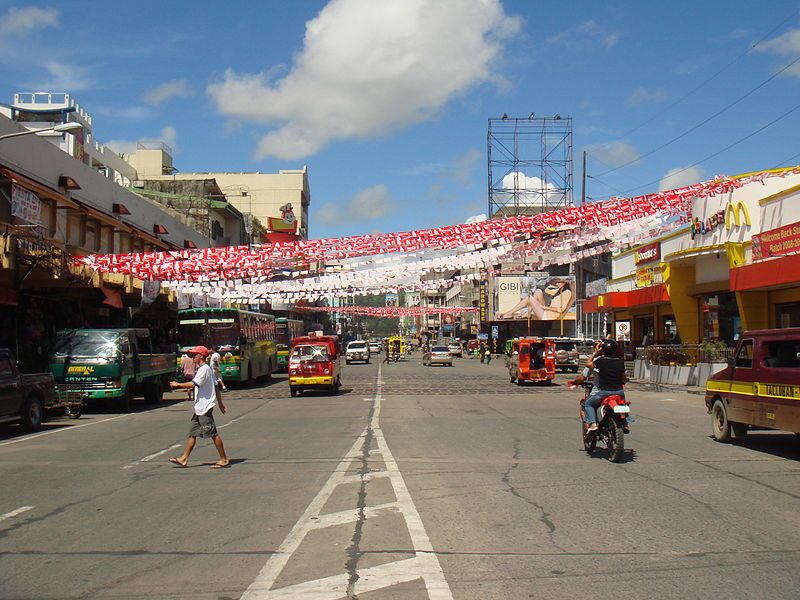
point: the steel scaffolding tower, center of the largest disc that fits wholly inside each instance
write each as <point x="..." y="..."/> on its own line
<point x="530" y="164"/>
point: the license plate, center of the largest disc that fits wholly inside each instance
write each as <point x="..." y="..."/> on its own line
<point x="622" y="409"/>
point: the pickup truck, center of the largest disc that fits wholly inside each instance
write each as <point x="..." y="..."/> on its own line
<point x="110" y="365"/>
<point x="23" y="397"/>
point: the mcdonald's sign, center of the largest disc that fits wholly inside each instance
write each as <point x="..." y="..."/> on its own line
<point x="736" y="215"/>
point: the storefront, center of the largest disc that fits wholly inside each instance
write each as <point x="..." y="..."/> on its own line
<point x="735" y="266"/>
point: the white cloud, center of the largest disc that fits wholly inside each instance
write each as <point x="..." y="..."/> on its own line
<point x="476" y="219"/>
<point x="367" y="68"/>
<point x="367" y="205"/>
<point x="63" y="78"/>
<point x="787" y="45"/>
<point x="614" y="154"/>
<point x="586" y="33"/>
<point x="168" y="135"/>
<point x="530" y="190"/>
<point x="462" y="168"/>
<point x="21" y="21"/>
<point x="680" y="177"/>
<point x="642" y="96"/>
<point x="167" y="91"/>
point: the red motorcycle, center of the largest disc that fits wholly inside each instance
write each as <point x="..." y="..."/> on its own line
<point x="612" y="422"/>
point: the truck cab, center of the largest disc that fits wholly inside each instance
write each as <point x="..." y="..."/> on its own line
<point x="315" y="364"/>
<point x="23" y="397"/>
<point x="532" y="359"/>
<point x="113" y="365"/>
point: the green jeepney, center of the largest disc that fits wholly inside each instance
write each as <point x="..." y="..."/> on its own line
<point x="114" y="365"/>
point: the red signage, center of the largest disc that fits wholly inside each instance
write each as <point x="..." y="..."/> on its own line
<point x="775" y="242"/>
<point x="648" y="253"/>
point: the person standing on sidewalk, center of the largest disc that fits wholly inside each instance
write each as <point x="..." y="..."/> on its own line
<point x="205" y="399"/>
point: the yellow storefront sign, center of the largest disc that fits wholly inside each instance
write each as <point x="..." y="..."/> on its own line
<point x="647" y="276"/>
<point x="736" y="214"/>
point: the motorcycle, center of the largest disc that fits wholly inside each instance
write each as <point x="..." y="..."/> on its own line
<point x="612" y="424"/>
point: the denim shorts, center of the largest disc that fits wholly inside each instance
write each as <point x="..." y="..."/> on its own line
<point x="203" y="425"/>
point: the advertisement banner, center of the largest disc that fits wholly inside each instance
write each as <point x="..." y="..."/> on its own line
<point x="25" y="205"/>
<point x="596" y="287"/>
<point x="536" y="296"/>
<point x="775" y="242"/>
<point x="648" y="253"/>
<point x="647" y="276"/>
<point x="483" y="300"/>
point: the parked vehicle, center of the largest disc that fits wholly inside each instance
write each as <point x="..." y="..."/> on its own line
<point x="760" y="388"/>
<point x="567" y="357"/>
<point x="437" y="355"/>
<point x="455" y="349"/>
<point x="357" y="351"/>
<point x="612" y="417"/>
<point x="24" y="397"/>
<point x="109" y="365"/>
<point x="532" y="359"/>
<point x="315" y="364"/>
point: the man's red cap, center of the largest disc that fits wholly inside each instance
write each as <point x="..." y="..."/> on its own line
<point x="201" y="350"/>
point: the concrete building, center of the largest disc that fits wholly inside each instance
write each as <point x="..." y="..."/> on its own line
<point x="259" y="194"/>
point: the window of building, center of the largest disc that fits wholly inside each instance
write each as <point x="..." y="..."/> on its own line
<point x="720" y="317"/>
<point x="787" y="315"/>
<point x="744" y="357"/>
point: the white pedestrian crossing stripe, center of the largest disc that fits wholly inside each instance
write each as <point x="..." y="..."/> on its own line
<point x="424" y="565"/>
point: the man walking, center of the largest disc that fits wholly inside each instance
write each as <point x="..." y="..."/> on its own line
<point x="205" y="399"/>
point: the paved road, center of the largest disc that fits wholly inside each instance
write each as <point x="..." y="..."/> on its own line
<point x="413" y="483"/>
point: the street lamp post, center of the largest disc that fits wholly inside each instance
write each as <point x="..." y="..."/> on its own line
<point x="60" y="128"/>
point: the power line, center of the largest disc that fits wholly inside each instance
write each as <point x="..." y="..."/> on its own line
<point x="703" y="122"/>
<point x="791" y="160"/>
<point x="725" y="149"/>
<point x="714" y="76"/>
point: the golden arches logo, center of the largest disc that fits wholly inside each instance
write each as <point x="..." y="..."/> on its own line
<point x="736" y="215"/>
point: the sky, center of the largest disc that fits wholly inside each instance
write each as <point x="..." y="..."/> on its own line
<point x="386" y="101"/>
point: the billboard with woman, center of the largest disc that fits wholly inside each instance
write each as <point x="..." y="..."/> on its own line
<point x="536" y="296"/>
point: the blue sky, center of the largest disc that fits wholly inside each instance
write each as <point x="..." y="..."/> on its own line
<point x="387" y="102"/>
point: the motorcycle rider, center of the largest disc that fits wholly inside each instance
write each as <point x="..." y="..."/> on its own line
<point x="610" y="378"/>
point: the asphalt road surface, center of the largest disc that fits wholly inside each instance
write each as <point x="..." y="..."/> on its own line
<point x="413" y="483"/>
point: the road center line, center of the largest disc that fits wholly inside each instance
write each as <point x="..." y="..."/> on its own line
<point x="425" y="564"/>
<point x="68" y="428"/>
<point x="15" y="512"/>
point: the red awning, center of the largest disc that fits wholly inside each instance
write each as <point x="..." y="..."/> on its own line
<point x="654" y="294"/>
<point x="765" y="274"/>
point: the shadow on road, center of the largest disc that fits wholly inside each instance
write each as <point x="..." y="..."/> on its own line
<point x="783" y="445"/>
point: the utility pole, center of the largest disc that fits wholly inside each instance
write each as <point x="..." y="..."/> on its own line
<point x="580" y="275"/>
<point x="583" y="179"/>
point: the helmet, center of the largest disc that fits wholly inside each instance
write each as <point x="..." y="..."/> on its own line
<point x="610" y="348"/>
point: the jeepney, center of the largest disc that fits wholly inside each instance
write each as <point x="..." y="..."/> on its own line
<point x="760" y="388"/>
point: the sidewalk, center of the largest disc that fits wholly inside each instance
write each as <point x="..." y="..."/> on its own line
<point x="660" y="387"/>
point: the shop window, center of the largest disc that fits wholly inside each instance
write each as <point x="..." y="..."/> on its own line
<point x="669" y="330"/>
<point x="782" y="354"/>
<point x="787" y="315"/>
<point x="744" y="357"/>
<point x="721" y="317"/>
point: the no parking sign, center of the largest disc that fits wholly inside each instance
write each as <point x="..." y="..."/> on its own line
<point x="623" y="331"/>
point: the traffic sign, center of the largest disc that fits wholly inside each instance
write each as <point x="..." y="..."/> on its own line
<point x="495" y="332"/>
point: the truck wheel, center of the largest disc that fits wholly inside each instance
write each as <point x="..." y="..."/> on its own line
<point x="124" y="401"/>
<point x="720" y="426"/>
<point x="293" y="391"/>
<point x="33" y="413"/>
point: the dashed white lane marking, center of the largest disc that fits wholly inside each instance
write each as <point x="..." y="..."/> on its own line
<point x="15" y="512"/>
<point x="666" y="399"/>
<point x="150" y="457"/>
<point x="425" y="565"/>
<point x="69" y="428"/>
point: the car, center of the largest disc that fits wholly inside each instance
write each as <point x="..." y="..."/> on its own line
<point x="374" y="348"/>
<point x="567" y="355"/>
<point x="357" y="350"/>
<point x="437" y="355"/>
<point x="23" y="398"/>
<point x="455" y="349"/>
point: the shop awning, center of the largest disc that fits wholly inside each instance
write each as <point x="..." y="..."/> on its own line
<point x="654" y="294"/>
<point x="773" y="273"/>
